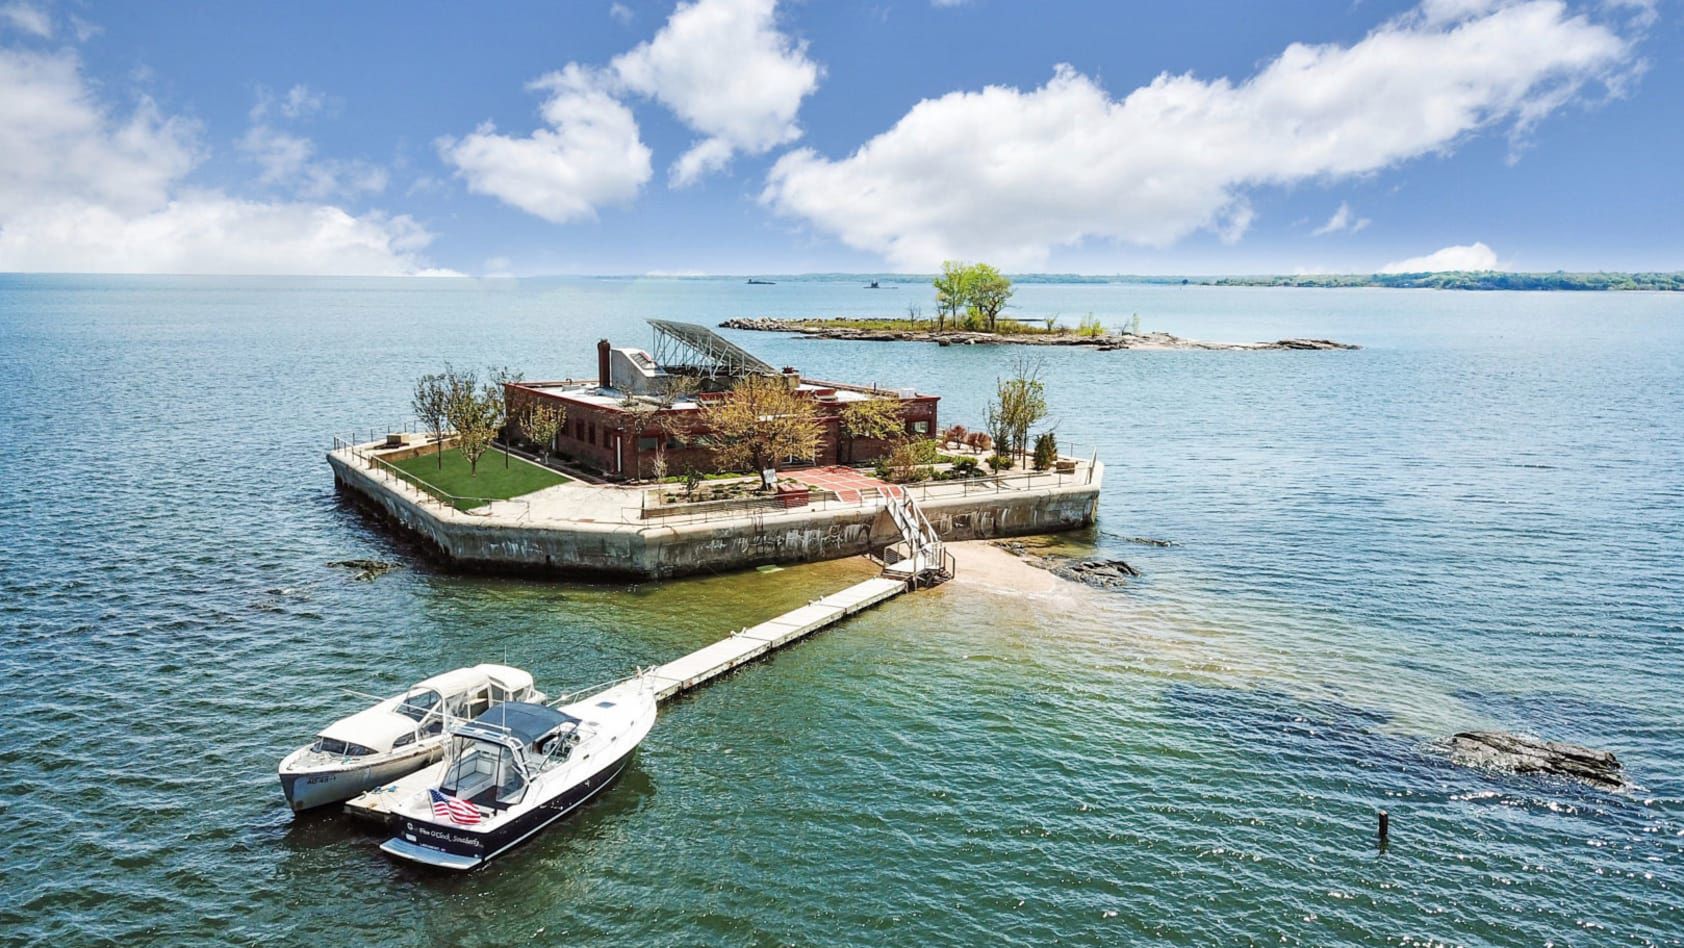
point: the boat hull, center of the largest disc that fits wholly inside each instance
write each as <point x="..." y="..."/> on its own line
<point x="308" y="789"/>
<point x="447" y="846"/>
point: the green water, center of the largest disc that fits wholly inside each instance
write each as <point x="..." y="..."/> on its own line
<point x="1474" y="521"/>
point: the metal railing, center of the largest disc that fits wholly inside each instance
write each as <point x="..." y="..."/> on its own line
<point x="473" y="506"/>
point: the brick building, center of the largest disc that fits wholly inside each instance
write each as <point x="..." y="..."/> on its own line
<point x="615" y="421"/>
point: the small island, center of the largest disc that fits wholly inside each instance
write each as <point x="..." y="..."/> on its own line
<point x="970" y="299"/>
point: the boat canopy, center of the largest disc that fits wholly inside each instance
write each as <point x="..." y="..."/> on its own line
<point x="512" y="681"/>
<point x="456" y="682"/>
<point x="374" y="728"/>
<point x="522" y="720"/>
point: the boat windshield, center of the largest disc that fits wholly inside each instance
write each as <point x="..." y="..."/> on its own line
<point x="483" y="772"/>
<point x="327" y="745"/>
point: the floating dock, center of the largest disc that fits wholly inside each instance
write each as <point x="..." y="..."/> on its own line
<point x="920" y="560"/>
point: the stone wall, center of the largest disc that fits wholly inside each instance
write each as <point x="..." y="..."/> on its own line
<point x="655" y="549"/>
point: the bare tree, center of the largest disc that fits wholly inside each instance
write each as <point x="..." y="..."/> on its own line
<point x="1020" y="402"/>
<point x="500" y="379"/>
<point x="431" y="404"/>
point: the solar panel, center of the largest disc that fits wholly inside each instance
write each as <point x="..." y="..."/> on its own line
<point x="703" y="351"/>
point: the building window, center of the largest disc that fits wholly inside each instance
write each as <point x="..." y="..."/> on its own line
<point x="592" y="429"/>
<point x="647" y="444"/>
<point x="920" y="427"/>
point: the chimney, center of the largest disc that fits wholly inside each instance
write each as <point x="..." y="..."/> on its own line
<point x="602" y="377"/>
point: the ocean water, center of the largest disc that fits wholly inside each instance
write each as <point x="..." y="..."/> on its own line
<point x="1475" y="521"/>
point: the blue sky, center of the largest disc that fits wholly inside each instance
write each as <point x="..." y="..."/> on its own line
<point x="743" y="136"/>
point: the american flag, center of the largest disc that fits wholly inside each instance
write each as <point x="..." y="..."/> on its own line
<point x="460" y="812"/>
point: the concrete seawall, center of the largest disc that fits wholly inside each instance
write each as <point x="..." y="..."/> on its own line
<point x="506" y="537"/>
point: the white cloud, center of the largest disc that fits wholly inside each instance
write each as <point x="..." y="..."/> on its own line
<point x="287" y="160"/>
<point x="1474" y="256"/>
<point x="727" y="72"/>
<point x="28" y="19"/>
<point x="588" y="156"/>
<point x="1007" y="175"/>
<point x="300" y="101"/>
<point x="1342" y="219"/>
<point x="621" y="13"/>
<point x="83" y="190"/>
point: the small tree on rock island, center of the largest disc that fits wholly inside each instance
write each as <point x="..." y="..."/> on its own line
<point x="759" y="423"/>
<point x="541" y="421"/>
<point x="987" y="290"/>
<point x="476" y="413"/>
<point x="431" y="404"/>
<point x="877" y="418"/>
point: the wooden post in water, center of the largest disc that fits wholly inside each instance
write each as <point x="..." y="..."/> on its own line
<point x="1385" y="829"/>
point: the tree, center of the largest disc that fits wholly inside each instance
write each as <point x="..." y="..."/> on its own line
<point x="1019" y="403"/>
<point x="541" y="421"/>
<point x="431" y="403"/>
<point x="656" y="411"/>
<point x="950" y="292"/>
<point x="877" y="418"/>
<point x="759" y="423"/>
<point x="986" y="292"/>
<point x="476" y="413"/>
<point x="1046" y="451"/>
<point x="500" y="378"/>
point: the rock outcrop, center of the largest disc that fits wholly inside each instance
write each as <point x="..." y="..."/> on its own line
<point x="1099" y="573"/>
<point x="1518" y="754"/>
<point x="1105" y="342"/>
<point x="366" y="569"/>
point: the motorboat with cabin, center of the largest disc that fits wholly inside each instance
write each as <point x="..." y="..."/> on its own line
<point x="518" y="768"/>
<point x="397" y="736"/>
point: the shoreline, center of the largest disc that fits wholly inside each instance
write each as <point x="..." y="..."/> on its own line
<point x="1106" y="342"/>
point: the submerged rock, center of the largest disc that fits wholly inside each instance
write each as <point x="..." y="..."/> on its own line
<point x="366" y="569"/>
<point x="1100" y="573"/>
<point x="1105" y="574"/>
<point x="1515" y="753"/>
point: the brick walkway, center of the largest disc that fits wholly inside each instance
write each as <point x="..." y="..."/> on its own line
<point x="850" y="485"/>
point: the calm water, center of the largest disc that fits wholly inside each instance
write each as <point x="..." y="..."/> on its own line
<point x="1477" y="520"/>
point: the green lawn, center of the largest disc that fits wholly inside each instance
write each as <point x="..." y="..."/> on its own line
<point x="494" y="481"/>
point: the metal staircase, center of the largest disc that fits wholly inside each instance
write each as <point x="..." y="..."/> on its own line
<point x="919" y="556"/>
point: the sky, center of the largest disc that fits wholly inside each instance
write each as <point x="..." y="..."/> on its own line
<point x="764" y="137"/>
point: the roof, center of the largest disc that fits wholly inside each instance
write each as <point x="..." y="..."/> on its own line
<point x="374" y="728"/>
<point x="523" y="720"/>
<point x="455" y="681"/>
<point x="507" y="677"/>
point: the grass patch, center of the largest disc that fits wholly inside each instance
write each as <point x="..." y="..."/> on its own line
<point x="494" y="481"/>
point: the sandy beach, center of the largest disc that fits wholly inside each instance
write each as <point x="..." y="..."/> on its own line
<point x="982" y="564"/>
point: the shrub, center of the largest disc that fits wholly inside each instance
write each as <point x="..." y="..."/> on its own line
<point x="1090" y="326"/>
<point x="964" y="467"/>
<point x="980" y="441"/>
<point x="1001" y="462"/>
<point x="925" y="451"/>
<point x="955" y="434"/>
<point x="1046" y="451"/>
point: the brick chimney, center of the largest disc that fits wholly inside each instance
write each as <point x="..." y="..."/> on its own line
<point x="602" y="376"/>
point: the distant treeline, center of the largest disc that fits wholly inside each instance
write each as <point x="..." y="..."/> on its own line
<point x="1470" y="280"/>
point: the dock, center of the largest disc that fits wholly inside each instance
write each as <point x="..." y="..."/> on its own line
<point x="918" y="560"/>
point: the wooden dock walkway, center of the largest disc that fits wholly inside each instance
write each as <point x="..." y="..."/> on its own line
<point x="709" y="662"/>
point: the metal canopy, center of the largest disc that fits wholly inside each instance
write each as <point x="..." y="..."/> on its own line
<point x="698" y="350"/>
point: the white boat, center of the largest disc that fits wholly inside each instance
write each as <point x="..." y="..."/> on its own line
<point x="396" y="736"/>
<point x="515" y="770"/>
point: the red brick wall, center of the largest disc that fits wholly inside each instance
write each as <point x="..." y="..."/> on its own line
<point x="588" y="436"/>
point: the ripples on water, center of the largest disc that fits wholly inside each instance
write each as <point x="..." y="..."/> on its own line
<point x="1475" y="521"/>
